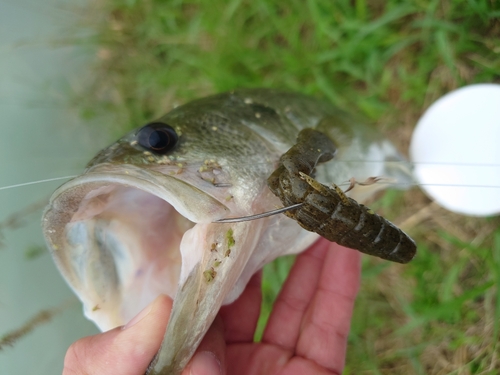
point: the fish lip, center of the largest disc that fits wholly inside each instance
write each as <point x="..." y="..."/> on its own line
<point x="152" y="182"/>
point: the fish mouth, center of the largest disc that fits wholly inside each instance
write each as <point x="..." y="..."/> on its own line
<point x="121" y="235"/>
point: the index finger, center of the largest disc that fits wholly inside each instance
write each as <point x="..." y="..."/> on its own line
<point x="284" y="324"/>
<point x="326" y="323"/>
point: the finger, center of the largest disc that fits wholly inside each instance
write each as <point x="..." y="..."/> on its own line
<point x="284" y="324"/>
<point x="326" y="324"/>
<point x="210" y="357"/>
<point x="241" y="317"/>
<point x="124" y="350"/>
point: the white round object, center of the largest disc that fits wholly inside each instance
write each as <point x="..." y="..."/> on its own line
<point x="456" y="150"/>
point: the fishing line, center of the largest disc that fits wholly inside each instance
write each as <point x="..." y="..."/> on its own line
<point x="393" y="184"/>
<point x="36" y="182"/>
<point x="419" y="184"/>
<point x="458" y="164"/>
<point x="461" y="164"/>
<point x="259" y="216"/>
<point x="409" y="163"/>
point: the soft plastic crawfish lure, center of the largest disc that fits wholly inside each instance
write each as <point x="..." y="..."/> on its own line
<point x="327" y="210"/>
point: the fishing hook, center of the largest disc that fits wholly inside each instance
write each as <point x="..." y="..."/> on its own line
<point x="258" y="216"/>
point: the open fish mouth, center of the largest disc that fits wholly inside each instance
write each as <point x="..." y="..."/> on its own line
<point x="122" y="235"/>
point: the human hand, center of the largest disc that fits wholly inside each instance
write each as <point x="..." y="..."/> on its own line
<point x="306" y="332"/>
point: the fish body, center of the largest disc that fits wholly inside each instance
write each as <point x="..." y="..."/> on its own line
<point x="140" y="220"/>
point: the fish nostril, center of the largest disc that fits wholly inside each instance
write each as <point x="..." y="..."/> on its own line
<point x="157" y="137"/>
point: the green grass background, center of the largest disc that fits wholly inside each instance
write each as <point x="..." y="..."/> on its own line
<point x="385" y="60"/>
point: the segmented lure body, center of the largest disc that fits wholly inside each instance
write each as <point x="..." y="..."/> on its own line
<point x="328" y="211"/>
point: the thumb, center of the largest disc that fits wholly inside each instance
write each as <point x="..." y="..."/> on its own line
<point x="126" y="350"/>
<point x="210" y="356"/>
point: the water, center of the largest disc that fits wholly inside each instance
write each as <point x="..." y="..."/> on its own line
<point x="41" y="137"/>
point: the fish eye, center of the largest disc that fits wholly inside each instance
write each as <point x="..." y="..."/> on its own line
<point x="157" y="137"/>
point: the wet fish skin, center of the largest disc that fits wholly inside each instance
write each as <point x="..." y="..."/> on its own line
<point x="109" y="229"/>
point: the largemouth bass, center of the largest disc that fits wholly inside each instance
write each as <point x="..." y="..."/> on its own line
<point x="140" y="220"/>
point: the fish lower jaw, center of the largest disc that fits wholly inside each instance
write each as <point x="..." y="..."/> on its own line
<point x="117" y="243"/>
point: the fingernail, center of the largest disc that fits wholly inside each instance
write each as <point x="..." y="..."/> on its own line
<point x="136" y="319"/>
<point x="205" y="363"/>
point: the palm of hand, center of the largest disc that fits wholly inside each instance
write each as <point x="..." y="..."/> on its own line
<point x="308" y="327"/>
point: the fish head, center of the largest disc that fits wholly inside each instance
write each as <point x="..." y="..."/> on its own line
<point x="139" y="223"/>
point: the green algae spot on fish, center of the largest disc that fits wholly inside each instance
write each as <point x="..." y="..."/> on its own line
<point x="209" y="275"/>
<point x="230" y="239"/>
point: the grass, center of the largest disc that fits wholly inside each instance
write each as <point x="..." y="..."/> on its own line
<point x="385" y="60"/>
